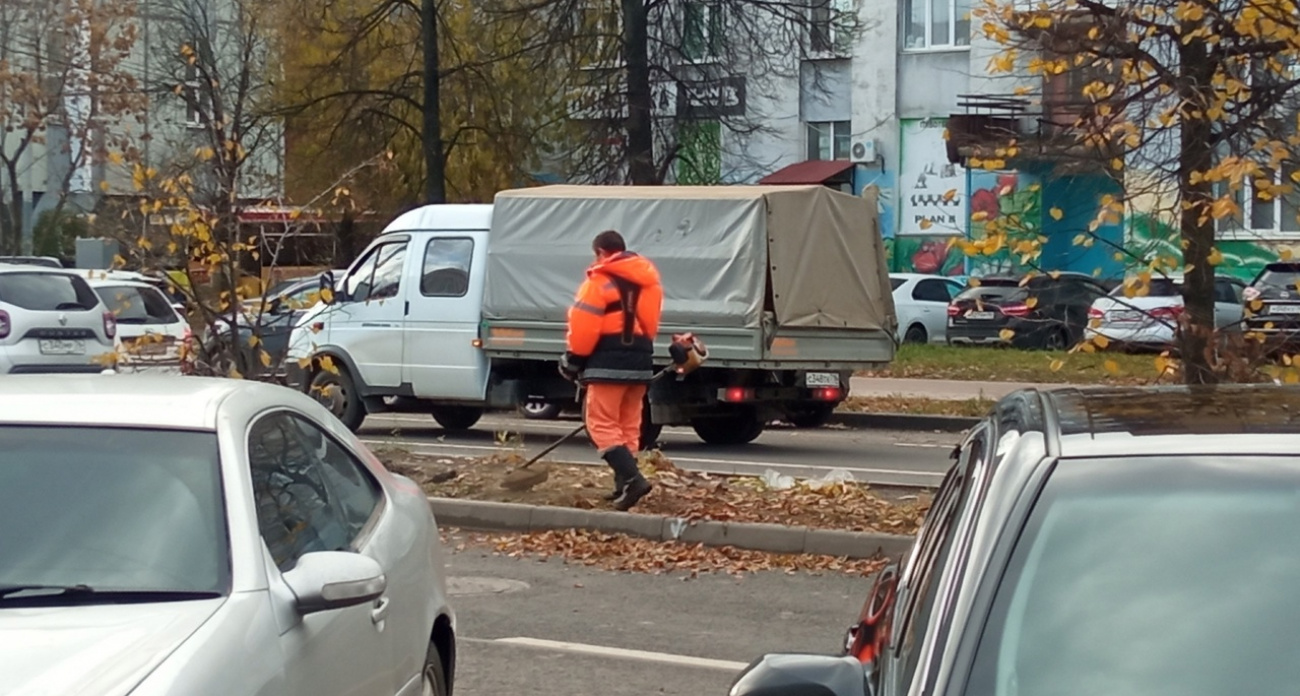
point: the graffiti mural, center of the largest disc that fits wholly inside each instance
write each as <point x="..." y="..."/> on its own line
<point x="886" y="183"/>
<point x="931" y="190"/>
<point x="1012" y="202"/>
<point x="1150" y="237"/>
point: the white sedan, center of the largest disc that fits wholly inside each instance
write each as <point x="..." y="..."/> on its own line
<point x="921" y="303"/>
<point x="192" y="536"/>
<point x="1149" y="320"/>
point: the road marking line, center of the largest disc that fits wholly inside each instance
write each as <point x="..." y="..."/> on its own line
<point x="621" y="653"/>
<point x="921" y="444"/>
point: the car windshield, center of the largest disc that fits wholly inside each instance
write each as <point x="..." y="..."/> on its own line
<point x="113" y="509"/>
<point x="1150" y="577"/>
<point x="1279" y="277"/>
<point x="46" y="292"/>
<point x="137" y="305"/>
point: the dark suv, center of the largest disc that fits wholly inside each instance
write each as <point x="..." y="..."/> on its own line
<point x="1271" y="304"/>
<point x="1085" y="542"/>
<point x="1047" y="311"/>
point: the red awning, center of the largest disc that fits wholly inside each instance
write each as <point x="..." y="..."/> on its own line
<point x="809" y="172"/>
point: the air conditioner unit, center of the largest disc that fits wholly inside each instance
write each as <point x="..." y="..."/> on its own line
<point x="863" y="151"/>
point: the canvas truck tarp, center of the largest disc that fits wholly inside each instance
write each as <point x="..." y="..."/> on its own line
<point x="714" y="246"/>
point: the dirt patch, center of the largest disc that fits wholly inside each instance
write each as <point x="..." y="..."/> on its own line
<point x="970" y="408"/>
<point x="678" y="493"/>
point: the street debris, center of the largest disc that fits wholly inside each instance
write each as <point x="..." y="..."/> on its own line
<point x="619" y="552"/>
<point x="835" y="501"/>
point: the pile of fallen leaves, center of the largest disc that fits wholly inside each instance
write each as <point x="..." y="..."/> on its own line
<point x="631" y="554"/>
<point x="971" y="408"/>
<point x="678" y="493"/>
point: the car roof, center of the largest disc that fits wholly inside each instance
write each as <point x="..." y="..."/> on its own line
<point x="119" y="282"/>
<point x="1156" y="420"/>
<point x="33" y="268"/>
<point x="124" y="400"/>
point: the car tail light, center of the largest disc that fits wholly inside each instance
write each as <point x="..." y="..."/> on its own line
<point x="953" y="310"/>
<point x="827" y="394"/>
<point x="110" y="324"/>
<point x="1094" y="313"/>
<point x="737" y="394"/>
<point x="1015" y="310"/>
<point x="5" y="324"/>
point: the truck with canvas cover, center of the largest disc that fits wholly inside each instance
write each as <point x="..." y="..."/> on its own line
<point x="786" y="286"/>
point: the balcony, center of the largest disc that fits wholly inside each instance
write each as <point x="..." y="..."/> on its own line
<point x="1043" y="128"/>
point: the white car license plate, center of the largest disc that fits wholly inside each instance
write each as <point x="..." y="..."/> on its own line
<point x="1128" y="315"/>
<point x="979" y="316"/>
<point x="1284" y="308"/>
<point x="821" y="379"/>
<point x="62" y="346"/>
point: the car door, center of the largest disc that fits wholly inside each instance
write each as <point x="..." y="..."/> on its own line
<point x="367" y="321"/>
<point x="306" y="502"/>
<point x="914" y="645"/>
<point x="932" y="296"/>
<point x="440" y="356"/>
<point x="1227" y="303"/>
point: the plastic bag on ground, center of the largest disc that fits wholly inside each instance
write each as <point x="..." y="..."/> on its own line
<point x="831" y="478"/>
<point x="777" y="481"/>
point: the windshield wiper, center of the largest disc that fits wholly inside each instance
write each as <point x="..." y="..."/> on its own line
<point x="40" y="592"/>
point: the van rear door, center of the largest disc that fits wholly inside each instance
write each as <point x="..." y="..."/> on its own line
<point x="441" y="360"/>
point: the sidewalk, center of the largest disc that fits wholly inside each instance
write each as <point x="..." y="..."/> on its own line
<point x="956" y="390"/>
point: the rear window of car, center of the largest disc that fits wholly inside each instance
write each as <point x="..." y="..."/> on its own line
<point x="1178" y="575"/>
<point x="1160" y="287"/>
<point x="47" y="292"/>
<point x="136" y="305"/>
<point x="998" y="291"/>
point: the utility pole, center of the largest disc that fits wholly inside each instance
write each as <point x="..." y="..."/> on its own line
<point x="435" y="178"/>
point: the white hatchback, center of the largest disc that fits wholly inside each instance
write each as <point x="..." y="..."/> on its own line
<point x="193" y="536"/>
<point x="150" y="334"/>
<point x="921" y="304"/>
<point x="52" y="321"/>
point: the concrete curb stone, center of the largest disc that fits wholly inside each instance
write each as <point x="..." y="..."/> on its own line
<point x="903" y="421"/>
<point x="775" y="538"/>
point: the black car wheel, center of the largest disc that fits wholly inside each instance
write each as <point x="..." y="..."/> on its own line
<point x="457" y="417"/>
<point x="433" y="677"/>
<point x="1056" y="338"/>
<point x="916" y="334"/>
<point x="539" y="410"/>
<point x="732" y="429"/>
<point x="337" y="392"/>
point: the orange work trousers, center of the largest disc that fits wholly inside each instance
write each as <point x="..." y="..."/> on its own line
<point x="613" y="414"/>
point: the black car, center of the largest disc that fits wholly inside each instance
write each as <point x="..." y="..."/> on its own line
<point x="1130" y="541"/>
<point x="1046" y="311"/>
<point x="1271" y="303"/>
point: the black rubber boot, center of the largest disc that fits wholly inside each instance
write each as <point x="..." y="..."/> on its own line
<point x="623" y="462"/>
<point x="619" y="485"/>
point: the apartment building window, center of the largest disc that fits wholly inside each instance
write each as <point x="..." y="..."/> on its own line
<point x="831" y="27"/>
<point x="828" y="140"/>
<point x="936" y="23"/>
<point x="702" y="33"/>
<point x="192" y="94"/>
<point x="601" y="33"/>
<point x="1266" y="216"/>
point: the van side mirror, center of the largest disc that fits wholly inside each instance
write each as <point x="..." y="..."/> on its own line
<point x="327" y="283"/>
<point x="789" y="674"/>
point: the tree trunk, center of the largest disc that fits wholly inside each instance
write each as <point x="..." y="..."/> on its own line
<point x="640" y="136"/>
<point x="1195" y="155"/>
<point x="11" y="213"/>
<point x="435" y="178"/>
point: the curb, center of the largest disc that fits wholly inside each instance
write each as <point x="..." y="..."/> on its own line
<point x="903" y="421"/>
<point x="775" y="538"/>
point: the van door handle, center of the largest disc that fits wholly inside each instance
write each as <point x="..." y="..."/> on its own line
<point x="380" y="611"/>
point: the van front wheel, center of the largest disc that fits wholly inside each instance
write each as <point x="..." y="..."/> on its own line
<point x="337" y="392"/>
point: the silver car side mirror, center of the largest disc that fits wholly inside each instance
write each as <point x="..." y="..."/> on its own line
<point x="778" y="674"/>
<point x="324" y="580"/>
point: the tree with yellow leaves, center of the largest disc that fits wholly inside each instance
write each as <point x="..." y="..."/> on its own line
<point x="1190" y="105"/>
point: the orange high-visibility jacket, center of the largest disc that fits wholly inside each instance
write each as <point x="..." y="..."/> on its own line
<point x="612" y="348"/>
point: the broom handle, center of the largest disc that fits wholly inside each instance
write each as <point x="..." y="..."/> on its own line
<point x="577" y="430"/>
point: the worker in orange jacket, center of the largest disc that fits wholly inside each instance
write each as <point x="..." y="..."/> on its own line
<point x="610" y="346"/>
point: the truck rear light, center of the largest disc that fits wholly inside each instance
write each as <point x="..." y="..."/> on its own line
<point x="953" y="310"/>
<point x="827" y="394"/>
<point x="737" y="394"/>
<point x="110" y="325"/>
<point x="5" y="324"/>
<point x="1015" y="310"/>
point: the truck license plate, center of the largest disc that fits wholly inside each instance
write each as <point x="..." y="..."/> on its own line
<point x="979" y="316"/>
<point x="822" y="379"/>
<point x="56" y="346"/>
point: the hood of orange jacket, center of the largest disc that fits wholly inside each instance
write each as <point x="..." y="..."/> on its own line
<point x="634" y="268"/>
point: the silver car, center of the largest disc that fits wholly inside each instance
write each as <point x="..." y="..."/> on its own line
<point x="51" y="321"/>
<point x="177" y="535"/>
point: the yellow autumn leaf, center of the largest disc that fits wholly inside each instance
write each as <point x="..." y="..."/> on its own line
<point x="1216" y="257"/>
<point x="327" y="364"/>
<point x="326" y="295"/>
<point x="949" y="195"/>
<point x="304" y="363"/>
<point x="1056" y="365"/>
<point x="1031" y="302"/>
<point x="1056" y="275"/>
<point x="1284" y="253"/>
<point x="1006" y="334"/>
<point x="266" y="358"/>
<point x="1291" y="377"/>
<point x="979" y="216"/>
<point x="1163" y="364"/>
<point x="1256" y="305"/>
<point x="1101" y="341"/>
<point x="926" y="224"/>
<point x="1042" y="21"/>
<point x="1111" y="366"/>
<point x="253" y="341"/>
<point x="1057" y="213"/>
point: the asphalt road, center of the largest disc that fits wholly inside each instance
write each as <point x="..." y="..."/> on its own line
<point x="528" y="626"/>
<point x="874" y="456"/>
